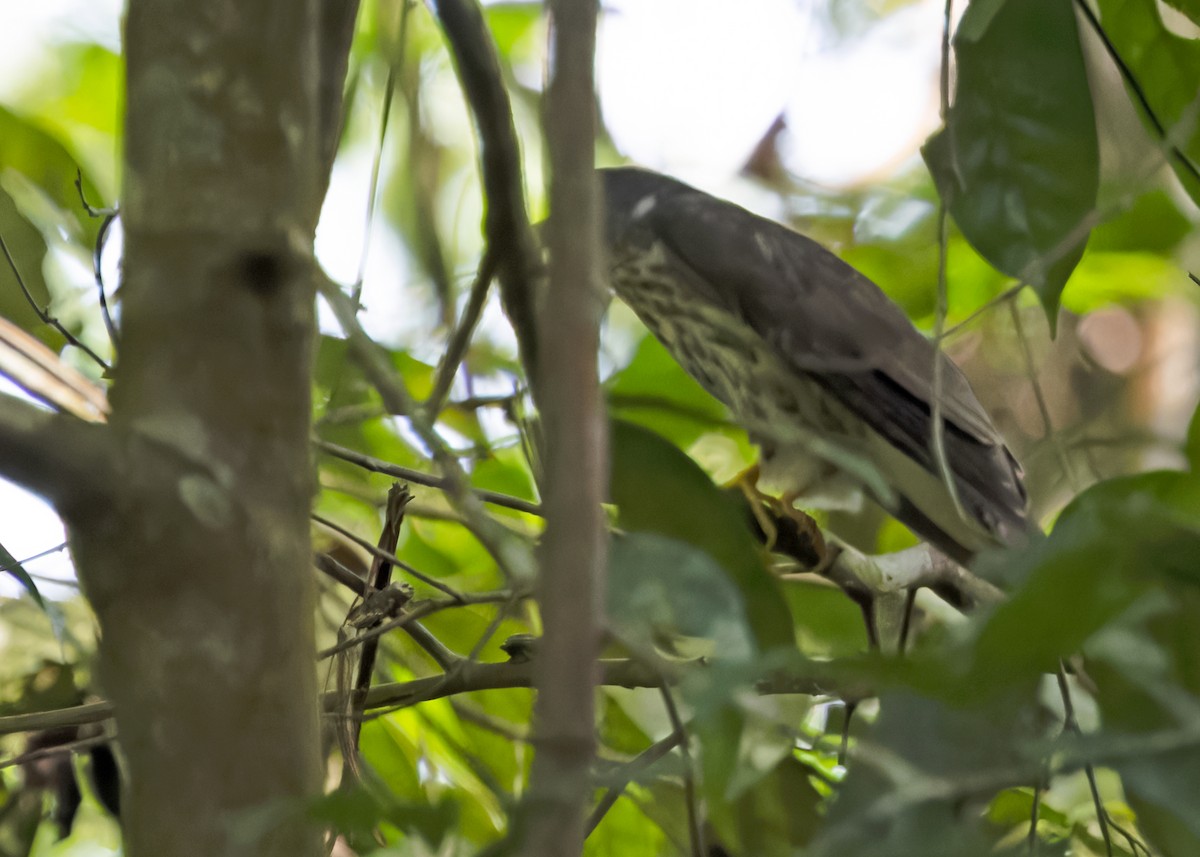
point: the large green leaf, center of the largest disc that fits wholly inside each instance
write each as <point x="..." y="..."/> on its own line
<point x="1017" y="162"/>
<point x="659" y="489"/>
<point x="658" y="585"/>
<point x="905" y="795"/>
<point x="1113" y="544"/>
<point x="1167" y="69"/>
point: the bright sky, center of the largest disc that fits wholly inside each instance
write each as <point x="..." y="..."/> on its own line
<point x="686" y="86"/>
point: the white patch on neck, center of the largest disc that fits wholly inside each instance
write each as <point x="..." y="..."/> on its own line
<point x="644" y="206"/>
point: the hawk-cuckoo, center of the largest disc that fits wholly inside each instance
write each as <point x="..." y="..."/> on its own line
<point x="825" y="373"/>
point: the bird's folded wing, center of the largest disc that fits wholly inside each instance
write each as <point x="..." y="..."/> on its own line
<point x="832" y="323"/>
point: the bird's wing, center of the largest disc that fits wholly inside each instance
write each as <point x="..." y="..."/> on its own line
<point x="834" y="324"/>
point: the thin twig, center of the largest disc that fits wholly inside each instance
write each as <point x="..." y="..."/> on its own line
<point x="110" y="216"/>
<point x="1039" y="396"/>
<point x="44" y="315"/>
<point x="1006" y="295"/>
<point x="378" y="578"/>
<point x="378" y="465"/>
<point x="456" y="349"/>
<point x="640" y="763"/>
<point x="56" y="750"/>
<point x="695" y="829"/>
<point x="389" y="90"/>
<point x="39" y="555"/>
<point x="418" y="612"/>
<point x="511" y="553"/>
<point x="506" y="221"/>
<point x="380" y="553"/>
<point x="1071" y="724"/>
<point x="442" y="656"/>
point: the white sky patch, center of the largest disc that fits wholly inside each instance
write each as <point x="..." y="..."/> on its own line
<point x="28" y="32"/>
<point x="691" y="86"/>
<point x="28" y="526"/>
<point x="864" y="104"/>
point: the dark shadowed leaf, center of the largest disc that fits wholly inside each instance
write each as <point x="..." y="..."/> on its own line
<point x="1110" y="546"/>
<point x="659" y="489"/>
<point x="778" y="815"/>
<point x="1017" y="162"/>
<point x="10" y="564"/>
<point x="912" y="791"/>
<point x="28" y="249"/>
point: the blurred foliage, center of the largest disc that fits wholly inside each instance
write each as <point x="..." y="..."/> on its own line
<point x="958" y="741"/>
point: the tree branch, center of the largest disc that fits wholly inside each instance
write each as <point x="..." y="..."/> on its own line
<point x="378" y="465"/>
<point x="506" y="223"/>
<point x="63" y="458"/>
<point x="567" y="391"/>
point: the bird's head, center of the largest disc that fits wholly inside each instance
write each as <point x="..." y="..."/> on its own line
<point x="631" y="195"/>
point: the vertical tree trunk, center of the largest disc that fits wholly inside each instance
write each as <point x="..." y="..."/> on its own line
<point x="568" y="392"/>
<point x="198" y="564"/>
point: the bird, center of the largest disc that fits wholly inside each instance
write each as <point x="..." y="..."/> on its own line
<point x="826" y="374"/>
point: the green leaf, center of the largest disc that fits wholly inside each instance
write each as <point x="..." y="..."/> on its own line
<point x="1167" y="69"/>
<point x="37" y="154"/>
<point x="28" y="249"/>
<point x="897" y="805"/>
<point x="658" y="489"/>
<point x="779" y="815"/>
<point x="1111" y="545"/>
<point x="626" y="831"/>
<point x="10" y="564"/>
<point x="1017" y="163"/>
<point x="828" y="624"/>
<point x="659" y="585"/>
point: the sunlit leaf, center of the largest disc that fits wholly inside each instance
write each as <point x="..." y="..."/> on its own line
<point x="1017" y="162"/>
<point x="38" y="155"/>
<point x="1107" y="278"/>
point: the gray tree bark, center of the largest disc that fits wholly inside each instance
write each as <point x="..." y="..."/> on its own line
<point x="573" y="553"/>
<point x="188" y="513"/>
